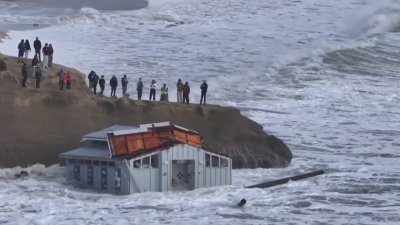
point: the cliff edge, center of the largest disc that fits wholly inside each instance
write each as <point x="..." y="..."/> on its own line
<point x="39" y="124"/>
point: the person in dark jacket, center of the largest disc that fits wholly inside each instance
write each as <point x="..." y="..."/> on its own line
<point x="45" y="52"/>
<point x="203" y="87"/>
<point x="27" y="49"/>
<point x="139" y="88"/>
<point x="38" y="46"/>
<point x="90" y="78"/>
<point x="95" y="82"/>
<point x="113" y="84"/>
<point x="186" y="92"/>
<point x="24" y="72"/>
<point x="124" y="83"/>
<point x="38" y="76"/>
<point x="61" y="78"/>
<point x="102" y="84"/>
<point x="179" y="88"/>
<point x="34" y="65"/>
<point x="50" y="52"/>
<point x="21" y="51"/>
<point x="152" y="90"/>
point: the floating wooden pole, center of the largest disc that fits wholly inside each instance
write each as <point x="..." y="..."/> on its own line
<point x="285" y="180"/>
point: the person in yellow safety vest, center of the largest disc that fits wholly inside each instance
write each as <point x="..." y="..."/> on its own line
<point x="164" y="93"/>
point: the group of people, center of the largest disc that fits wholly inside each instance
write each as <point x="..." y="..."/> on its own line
<point x="183" y="89"/>
<point x="47" y="51"/>
<point x="24" y="48"/>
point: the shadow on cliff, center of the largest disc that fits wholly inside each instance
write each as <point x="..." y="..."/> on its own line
<point x="39" y="124"/>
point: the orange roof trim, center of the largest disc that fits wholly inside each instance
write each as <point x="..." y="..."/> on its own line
<point x="154" y="138"/>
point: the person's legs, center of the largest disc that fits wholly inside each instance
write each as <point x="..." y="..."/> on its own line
<point x="45" y="61"/>
<point x="50" y="60"/>
<point x="26" y="54"/>
<point x="201" y="98"/>
<point x="24" y="81"/>
<point x="37" y="82"/>
<point x="139" y="94"/>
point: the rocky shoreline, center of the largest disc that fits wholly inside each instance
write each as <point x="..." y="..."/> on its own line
<point x="39" y="124"/>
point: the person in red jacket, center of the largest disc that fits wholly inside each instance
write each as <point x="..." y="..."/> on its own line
<point x="68" y="79"/>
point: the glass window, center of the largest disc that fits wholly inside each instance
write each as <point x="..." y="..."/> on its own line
<point x="154" y="161"/>
<point x="137" y="163"/>
<point x="111" y="164"/>
<point x="103" y="163"/>
<point x="224" y="162"/>
<point x="215" y="161"/>
<point x="208" y="161"/>
<point x="96" y="163"/>
<point x="146" y="162"/>
<point x="71" y="161"/>
<point x="88" y="162"/>
<point x="80" y="161"/>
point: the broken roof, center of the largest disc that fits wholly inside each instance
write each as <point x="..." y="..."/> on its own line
<point x="150" y="137"/>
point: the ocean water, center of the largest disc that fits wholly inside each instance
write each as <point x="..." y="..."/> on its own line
<point x="321" y="75"/>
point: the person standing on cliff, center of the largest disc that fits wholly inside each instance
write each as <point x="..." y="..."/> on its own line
<point x="186" y="92"/>
<point x="113" y="84"/>
<point x="152" y="90"/>
<point x="164" y="93"/>
<point x="38" y="46"/>
<point x="179" y="88"/>
<point x="90" y="78"/>
<point x="61" y="78"/>
<point x="34" y="65"/>
<point x="21" y="51"/>
<point x="38" y="76"/>
<point x="124" y="83"/>
<point x="68" y="79"/>
<point x="102" y="84"/>
<point x="139" y="88"/>
<point x="203" y="87"/>
<point x="27" y="49"/>
<point x="50" y="52"/>
<point x="95" y="82"/>
<point x="45" y="51"/>
<point x="24" y="72"/>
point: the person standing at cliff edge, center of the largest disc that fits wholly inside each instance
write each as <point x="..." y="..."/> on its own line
<point x="186" y="92"/>
<point x="113" y="84"/>
<point x="153" y="90"/>
<point x="203" y="87"/>
<point x="124" y="83"/>
<point x="61" y="78"/>
<point x="38" y="46"/>
<point x="34" y="65"/>
<point x="102" y="84"/>
<point x="21" y="50"/>
<point x="38" y="76"/>
<point x="27" y="49"/>
<point x="45" y="51"/>
<point x="24" y="72"/>
<point x="95" y="81"/>
<point x="50" y="52"/>
<point x="164" y="93"/>
<point x="179" y="88"/>
<point x="68" y="79"/>
<point x="139" y="88"/>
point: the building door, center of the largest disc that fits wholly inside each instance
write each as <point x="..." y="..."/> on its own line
<point x="182" y="175"/>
